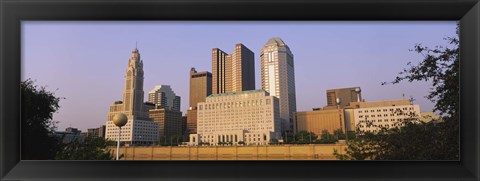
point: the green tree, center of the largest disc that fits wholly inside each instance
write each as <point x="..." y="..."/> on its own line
<point x="91" y="148"/>
<point x="339" y="135"/>
<point x="37" y="108"/>
<point x="436" y="140"/>
<point x="304" y="137"/>
<point x="327" y="138"/>
<point x="289" y="138"/>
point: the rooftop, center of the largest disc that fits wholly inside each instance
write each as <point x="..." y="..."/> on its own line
<point x="276" y="41"/>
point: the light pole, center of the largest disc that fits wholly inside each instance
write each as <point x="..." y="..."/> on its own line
<point x="339" y="116"/>
<point x="119" y="120"/>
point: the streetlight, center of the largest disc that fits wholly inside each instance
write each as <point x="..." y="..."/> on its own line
<point x="340" y="116"/>
<point x="119" y="120"/>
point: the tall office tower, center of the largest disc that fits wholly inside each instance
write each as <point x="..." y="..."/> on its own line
<point x="219" y="68"/>
<point x="243" y="69"/>
<point x="164" y="97"/>
<point x="200" y="88"/>
<point x="278" y="78"/>
<point x="133" y="93"/>
<point x="233" y="72"/>
<point x="344" y="95"/>
<point x="139" y="128"/>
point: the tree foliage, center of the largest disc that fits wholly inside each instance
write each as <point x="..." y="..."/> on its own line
<point x="37" y="108"/>
<point x="38" y="138"/>
<point x="327" y="138"/>
<point x="436" y="140"/>
<point x="91" y="148"/>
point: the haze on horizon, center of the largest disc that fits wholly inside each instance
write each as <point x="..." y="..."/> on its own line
<point x="85" y="62"/>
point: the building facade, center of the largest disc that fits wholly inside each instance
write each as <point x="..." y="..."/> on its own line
<point x="233" y="72"/>
<point x="278" y="78"/>
<point x="344" y="95"/>
<point x="164" y="97"/>
<point x="251" y="117"/>
<point x="372" y="116"/>
<point x="97" y="132"/>
<point x="200" y="88"/>
<point x="139" y="128"/>
<point x="317" y="121"/>
<point x="169" y="122"/>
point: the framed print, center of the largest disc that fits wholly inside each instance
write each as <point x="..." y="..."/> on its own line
<point x="239" y="90"/>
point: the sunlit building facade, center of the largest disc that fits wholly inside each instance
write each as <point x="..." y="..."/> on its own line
<point x="233" y="72"/>
<point x="372" y="116"/>
<point x="139" y="128"/>
<point x="278" y="78"/>
<point x="200" y="88"/>
<point x="251" y="117"/>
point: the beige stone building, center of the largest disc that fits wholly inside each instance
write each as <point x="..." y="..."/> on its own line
<point x="251" y="117"/>
<point x="278" y="78"/>
<point x="200" y="88"/>
<point x="233" y="72"/>
<point x="317" y="121"/>
<point x="372" y="116"/>
<point x="139" y="128"/>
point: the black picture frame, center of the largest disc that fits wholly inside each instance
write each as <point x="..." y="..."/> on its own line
<point x="12" y="12"/>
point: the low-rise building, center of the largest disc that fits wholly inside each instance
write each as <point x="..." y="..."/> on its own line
<point x="372" y="116"/>
<point x="70" y="134"/>
<point x="97" y="132"/>
<point x="136" y="131"/>
<point x="318" y="120"/>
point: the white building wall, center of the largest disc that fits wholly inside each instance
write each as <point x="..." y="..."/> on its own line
<point x="237" y="114"/>
<point x="278" y="78"/>
<point x="388" y="117"/>
<point x="134" y="131"/>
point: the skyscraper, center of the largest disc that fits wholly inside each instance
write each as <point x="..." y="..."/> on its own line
<point x="133" y="94"/>
<point x="200" y="88"/>
<point x="139" y="128"/>
<point x="243" y="69"/>
<point x="219" y="68"/>
<point x="233" y="72"/>
<point x="278" y="78"/>
<point x="164" y="97"/>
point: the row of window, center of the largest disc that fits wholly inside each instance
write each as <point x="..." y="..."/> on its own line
<point x="384" y="110"/>
<point x="249" y="103"/>
<point x="379" y="115"/>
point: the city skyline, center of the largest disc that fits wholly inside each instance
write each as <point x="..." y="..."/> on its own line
<point x="110" y="75"/>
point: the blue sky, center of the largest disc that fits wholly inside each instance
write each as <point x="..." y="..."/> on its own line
<point x="85" y="62"/>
